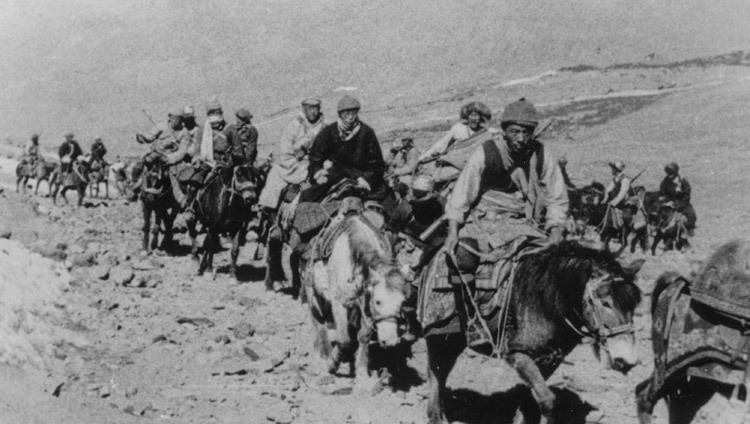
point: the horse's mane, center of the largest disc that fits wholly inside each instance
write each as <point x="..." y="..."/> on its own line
<point x="557" y="277"/>
<point x="368" y="252"/>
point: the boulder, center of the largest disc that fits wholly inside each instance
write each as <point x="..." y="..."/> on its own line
<point x="121" y="274"/>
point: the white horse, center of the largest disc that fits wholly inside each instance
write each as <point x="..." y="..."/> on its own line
<point x="355" y="290"/>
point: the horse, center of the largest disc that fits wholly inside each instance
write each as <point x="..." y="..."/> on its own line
<point x="559" y="294"/>
<point x="99" y="174"/>
<point x="357" y="290"/>
<point x="582" y="208"/>
<point x="224" y="206"/>
<point x="76" y="178"/>
<point x="156" y="197"/>
<point x="42" y="171"/>
<point x="669" y="225"/>
<point x="699" y="338"/>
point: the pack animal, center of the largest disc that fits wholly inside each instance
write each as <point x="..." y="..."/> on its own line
<point x="42" y="171"/>
<point x="700" y="340"/>
<point x="99" y="174"/>
<point x="559" y="295"/>
<point x="355" y="290"/>
<point x="669" y="225"/>
<point x="224" y="206"/>
<point x="157" y="198"/>
<point x="76" y="178"/>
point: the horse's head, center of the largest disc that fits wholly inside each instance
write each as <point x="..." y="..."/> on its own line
<point x="245" y="182"/>
<point x="609" y="301"/>
<point x="385" y="297"/>
<point x="155" y="177"/>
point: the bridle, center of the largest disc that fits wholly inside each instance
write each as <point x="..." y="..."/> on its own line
<point x="236" y="188"/>
<point x="158" y="174"/>
<point x="600" y="332"/>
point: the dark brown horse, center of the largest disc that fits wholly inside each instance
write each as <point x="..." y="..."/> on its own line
<point x="559" y="295"/>
<point x="224" y="206"/>
<point x="158" y="199"/>
<point x="700" y="339"/>
<point x="669" y="225"/>
<point x="75" y="178"/>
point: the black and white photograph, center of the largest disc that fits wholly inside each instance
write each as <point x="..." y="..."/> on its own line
<point x="375" y="211"/>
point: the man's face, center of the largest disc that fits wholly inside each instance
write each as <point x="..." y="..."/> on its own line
<point x="474" y="120"/>
<point x="518" y="137"/>
<point x="175" y="122"/>
<point x="312" y="113"/>
<point x="349" y="116"/>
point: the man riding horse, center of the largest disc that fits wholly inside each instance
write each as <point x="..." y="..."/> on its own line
<point x="676" y="188"/>
<point x="68" y="152"/>
<point x="31" y="152"/>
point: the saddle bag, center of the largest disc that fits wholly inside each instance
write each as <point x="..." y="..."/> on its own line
<point x="723" y="282"/>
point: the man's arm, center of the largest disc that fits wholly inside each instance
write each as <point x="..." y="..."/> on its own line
<point x="154" y="133"/>
<point x="183" y="141"/>
<point x="439" y="147"/>
<point x="556" y="192"/>
<point x="624" y="190"/>
<point x="466" y="190"/>
<point x="319" y="152"/>
<point x="251" y="149"/>
<point x="374" y="164"/>
<point x="412" y="161"/>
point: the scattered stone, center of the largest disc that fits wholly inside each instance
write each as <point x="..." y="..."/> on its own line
<point x="223" y="339"/>
<point x="251" y="302"/>
<point x="342" y="391"/>
<point x="58" y="389"/>
<point x="250" y="353"/>
<point x="131" y="392"/>
<point x="82" y="259"/>
<point x="61" y="246"/>
<point x="242" y="330"/>
<point x="276" y="361"/>
<point x="198" y="321"/>
<point x="54" y="253"/>
<point x="5" y="233"/>
<point x="143" y="266"/>
<point x="325" y="380"/>
<point x="100" y="272"/>
<point x="121" y="275"/>
<point x="130" y="409"/>
<point x="280" y="417"/>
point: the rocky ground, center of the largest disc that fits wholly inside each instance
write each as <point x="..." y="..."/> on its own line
<point x="146" y="340"/>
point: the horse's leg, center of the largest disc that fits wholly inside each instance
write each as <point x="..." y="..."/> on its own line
<point x="62" y="193"/>
<point x="442" y="353"/>
<point x="106" y="190"/>
<point x="362" y="359"/>
<point x="342" y="341"/>
<point x="193" y="235"/>
<point x="36" y="188"/>
<point x="645" y="401"/>
<point x="146" y="209"/>
<point x="168" y="219"/>
<point x="234" y="253"/>
<point x="657" y="239"/>
<point x="295" y="260"/>
<point x="81" y="194"/>
<point x="531" y="374"/>
<point x="156" y="228"/>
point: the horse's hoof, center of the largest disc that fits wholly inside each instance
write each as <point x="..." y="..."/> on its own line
<point x="213" y="273"/>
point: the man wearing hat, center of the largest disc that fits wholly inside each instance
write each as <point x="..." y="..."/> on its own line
<point x="170" y="143"/>
<point x="244" y="138"/>
<point x="193" y="129"/>
<point x="509" y="180"/>
<point x="98" y="150"/>
<point x="291" y="163"/>
<point x="31" y="153"/>
<point x="347" y="148"/>
<point x="474" y="117"/>
<point x="617" y="190"/>
<point x="676" y="188"/>
<point x="68" y="152"/>
<point x="217" y="146"/>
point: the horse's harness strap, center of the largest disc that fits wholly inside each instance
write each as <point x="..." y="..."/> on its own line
<point x="600" y="331"/>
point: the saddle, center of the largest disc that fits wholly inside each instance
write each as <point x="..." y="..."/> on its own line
<point x="490" y="286"/>
<point x="723" y="282"/>
<point x="322" y="244"/>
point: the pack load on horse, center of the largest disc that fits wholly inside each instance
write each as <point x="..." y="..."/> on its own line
<point x="403" y="164"/>
<point x="353" y="287"/>
<point x="98" y="168"/>
<point x="73" y="172"/>
<point x="700" y="339"/>
<point x="229" y="186"/>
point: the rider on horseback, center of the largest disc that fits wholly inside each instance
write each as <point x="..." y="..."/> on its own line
<point x="31" y="152"/>
<point x="508" y="177"/>
<point x="676" y="189"/>
<point x="616" y="193"/>
<point x="69" y="152"/>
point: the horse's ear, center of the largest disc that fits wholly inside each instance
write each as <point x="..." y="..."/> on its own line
<point x="634" y="267"/>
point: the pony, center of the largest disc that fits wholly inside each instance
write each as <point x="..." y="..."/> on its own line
<point x="699" y="338"/>
<point x="669" y="225"/>
<point x="356" y="290"/>
<point x="99" y="173"/>
<point x="156" y="197"/>
<point x="559" y="294"/>
<point x="582" y="208"/>
<point x="42" y="171"/>
<point x="224" y="206"/>
<point x="76" y="178"/>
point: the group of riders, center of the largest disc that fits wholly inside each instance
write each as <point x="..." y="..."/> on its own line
<point x="508" y="184"/>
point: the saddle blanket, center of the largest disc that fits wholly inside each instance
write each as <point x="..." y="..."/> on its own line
<point x="490" y="286"/>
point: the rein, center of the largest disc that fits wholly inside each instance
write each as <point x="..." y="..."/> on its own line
<point x="599" y="332"/>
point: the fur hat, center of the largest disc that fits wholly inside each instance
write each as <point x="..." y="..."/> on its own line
<point x="213" y="105"/>
<point x="477" y="107"/>
<point x="176" y="113"/>
<point x="521" y="113"/>
<point x="69" y="136"/>
<point x="347" y="103"/>
<point x="188" y="112"/>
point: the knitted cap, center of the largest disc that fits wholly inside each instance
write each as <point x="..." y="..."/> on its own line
<point x="347" y="103"/>
<point x="520" y="113"/>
